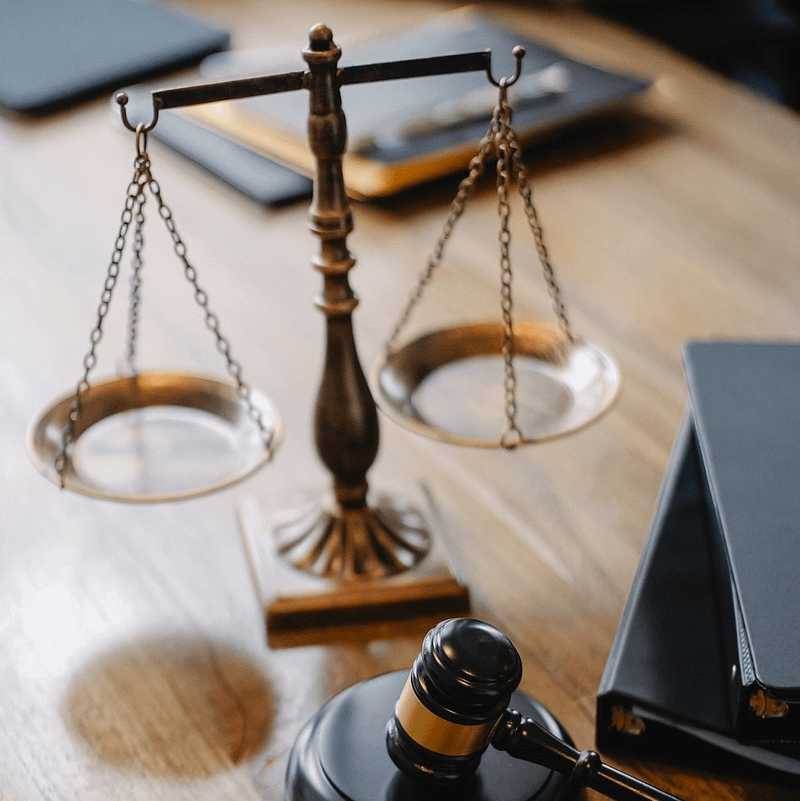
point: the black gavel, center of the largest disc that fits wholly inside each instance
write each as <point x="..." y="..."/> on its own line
<point x="455" y="704"/>
<point x="442" y="717"/>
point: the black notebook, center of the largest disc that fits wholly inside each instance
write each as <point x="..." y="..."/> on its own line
<point x="53" y="52"/>
<point x="711" y="619"/>
<point x="746" y="402"/>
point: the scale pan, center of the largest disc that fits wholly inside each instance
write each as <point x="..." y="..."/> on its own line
<point x="155" y="437"/>
<point x="449" y="384"/>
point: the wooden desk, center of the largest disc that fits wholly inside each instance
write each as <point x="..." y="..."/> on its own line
<point x="132" y="649"/>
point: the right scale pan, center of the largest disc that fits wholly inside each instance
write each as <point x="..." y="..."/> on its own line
<point x="450" y="384"/>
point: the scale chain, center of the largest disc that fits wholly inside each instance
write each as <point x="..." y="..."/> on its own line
<point x="212" y="322"/>
<point x="465" y="191"/>
<point x="501" y="140"/>
<point x="136" y="283"/>
<point x="518" y="168"/>
<point x="511" y="436"/>
<point x="134" y="211"/>
<point x="135" y="190"/>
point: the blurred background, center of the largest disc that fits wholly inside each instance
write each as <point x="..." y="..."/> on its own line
<point x="755" y="42"/>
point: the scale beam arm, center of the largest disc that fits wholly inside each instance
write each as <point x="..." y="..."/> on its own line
<point x="417" y="68"/>
<point x="229" y="90"/>
<point x="182" y="96"/>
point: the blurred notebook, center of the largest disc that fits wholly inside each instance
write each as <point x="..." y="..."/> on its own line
<point x="54" y="52"/>
<point x="404" y="132"/>
<point x="253" y="174"/>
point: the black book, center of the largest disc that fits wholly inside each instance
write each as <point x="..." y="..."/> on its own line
<point x="708" y="644"/>
<point x="747" y="419"/>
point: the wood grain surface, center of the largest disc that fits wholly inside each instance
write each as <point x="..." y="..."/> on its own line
<point x="133" y="659"/>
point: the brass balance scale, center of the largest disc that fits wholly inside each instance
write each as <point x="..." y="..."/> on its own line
<point x="354" y="547"/>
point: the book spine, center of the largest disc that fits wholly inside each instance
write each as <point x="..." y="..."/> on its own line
<point x="617" y="725"/>
<point x="734" y="638"/>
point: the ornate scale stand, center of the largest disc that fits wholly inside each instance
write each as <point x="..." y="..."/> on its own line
<point x="366" y="560"/>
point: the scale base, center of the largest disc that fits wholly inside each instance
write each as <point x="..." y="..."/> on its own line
<point x="341" y="755"/>
<point x="301" y="608"/>
<point x="331" y="540"/>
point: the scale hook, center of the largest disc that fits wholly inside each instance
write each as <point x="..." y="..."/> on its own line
<point x="122" y="100"/>
<point x="519" y="53"/>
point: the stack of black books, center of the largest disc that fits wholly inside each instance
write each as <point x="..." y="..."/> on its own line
<point x="708" y="649"/>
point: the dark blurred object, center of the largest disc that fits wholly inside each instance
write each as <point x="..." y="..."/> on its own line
<point x="57" y="52"/>
<point x="755" y="42"/>
<point x="257" y="176"/>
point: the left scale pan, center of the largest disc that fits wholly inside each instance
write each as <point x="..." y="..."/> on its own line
<point x="156" y="436"/>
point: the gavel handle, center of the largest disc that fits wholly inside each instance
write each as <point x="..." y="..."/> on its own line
<point x="524" y="738"/>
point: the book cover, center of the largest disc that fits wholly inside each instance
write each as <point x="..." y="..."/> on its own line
<point x="747" y="417"/>
<point x="671" y="618"/>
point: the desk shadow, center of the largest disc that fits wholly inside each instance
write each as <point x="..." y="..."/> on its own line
<point x="175" y="706"/>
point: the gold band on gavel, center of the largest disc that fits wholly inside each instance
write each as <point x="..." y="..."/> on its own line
<point x="437" y="734"/>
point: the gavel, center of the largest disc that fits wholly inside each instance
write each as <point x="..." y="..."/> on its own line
<point x="427" y="734"/>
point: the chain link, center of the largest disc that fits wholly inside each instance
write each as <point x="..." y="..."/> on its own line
<point x="134" y="212"/>
<point x="465" y="191"/>
<point x="135" y="284"/>
<point x="511" y="436"/>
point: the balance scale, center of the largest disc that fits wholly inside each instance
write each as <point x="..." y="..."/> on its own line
<point x="346" y="557"/>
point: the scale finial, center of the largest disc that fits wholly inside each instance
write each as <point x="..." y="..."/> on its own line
<point x="320" y="38"/>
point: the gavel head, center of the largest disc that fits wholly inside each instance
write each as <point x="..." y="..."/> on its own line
<point x="457" y="691"/>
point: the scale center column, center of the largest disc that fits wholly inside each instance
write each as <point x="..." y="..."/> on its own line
<point x="347" y="539"/>
<point x="346" y="419"/>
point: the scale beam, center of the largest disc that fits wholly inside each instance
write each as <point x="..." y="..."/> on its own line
<point x="182" y="96"/>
